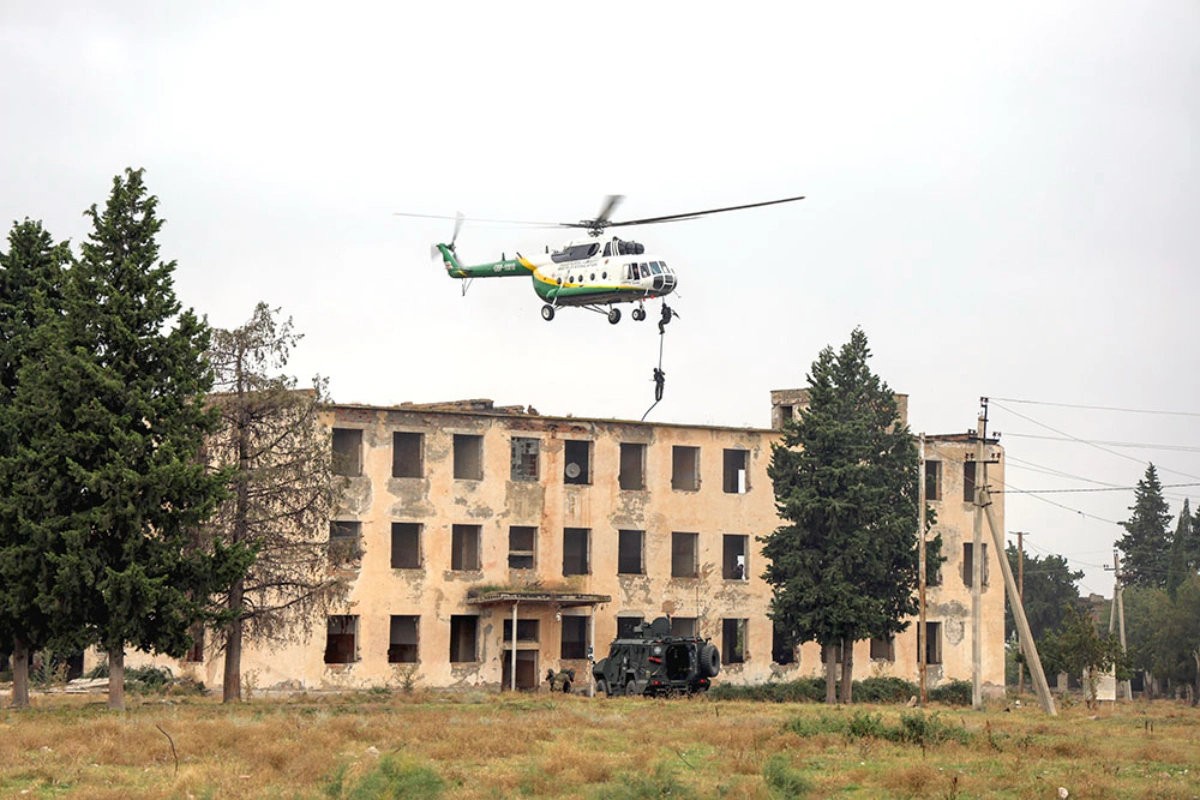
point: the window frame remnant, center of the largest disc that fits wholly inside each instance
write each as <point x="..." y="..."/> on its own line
<point x="468" y="457"/>
<point x="404" y="648"/>
<point x="883" y="648"/>
<point x="520" y="557"/>
<point x="466" y="548"/>
<point x="685" y="468"/>
<point x="969" y="481"/>
<point x="341" y="639"/>
<point x="577" y="546"/>
<point x="933" y="655"/>
<point x="406" y="545"/>
<point x="685" y="554"/>
<point x="632" y="474"/>
<point x="528" y="630"/>
<point x="735" y="632"/>
<point x="685" y="626"/>
<point x="732" y="543"/>
<point x="574" y="646"/>
<point x="780" y="653"/>
<point x="736" y="464"/>
<point x="933" y="479"/>
<point x="577" y="452"/>
<point x="345" y="541"/>
<point x="408" y="454"/>
<point x="968" y="564"/>
<point x="464" y="638"/>
<point x="631" y="552"/>
<point x="346" y="444"/>
<point x="524" y="454"/>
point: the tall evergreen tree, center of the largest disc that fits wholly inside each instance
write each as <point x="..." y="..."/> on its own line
<point x="1180" y="568"/>
<point x="282" y="491"/>
<point x="119" y="418"/>
<point x="1146" y="545"/>
<point x="31" y="273"/>
<point x="844" y="565"/>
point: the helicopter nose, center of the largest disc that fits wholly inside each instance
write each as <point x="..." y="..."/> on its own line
<point x="664" y="284"/>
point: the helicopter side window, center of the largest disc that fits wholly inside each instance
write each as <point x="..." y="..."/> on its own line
<point x="654" y="268"/>
<point x="666" y="270"/>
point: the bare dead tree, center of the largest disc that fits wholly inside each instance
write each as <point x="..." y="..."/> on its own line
<point x="282" y="492"/>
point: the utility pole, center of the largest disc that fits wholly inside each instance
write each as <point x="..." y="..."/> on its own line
<point x="977" y="564"/>
<point x="1116" y="615"/>
<point x="1021" y="597"/>
<point x="921" y="632"/>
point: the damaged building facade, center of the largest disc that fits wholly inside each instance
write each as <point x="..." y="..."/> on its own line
<point x="487" y="545"/>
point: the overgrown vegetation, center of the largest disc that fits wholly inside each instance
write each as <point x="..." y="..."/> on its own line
<point x="869" y="690"/>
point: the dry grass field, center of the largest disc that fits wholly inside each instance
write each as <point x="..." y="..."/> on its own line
<point x="483" y="745"/>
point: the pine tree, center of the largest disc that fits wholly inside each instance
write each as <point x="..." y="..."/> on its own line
<point x="1146" y="545"/>
<point x="844" y="566"/>
<point x="1180" y="568"/>
<point x="31" y="274"/>
<point x="282" y="491"/>
<point x="119" y="418"/>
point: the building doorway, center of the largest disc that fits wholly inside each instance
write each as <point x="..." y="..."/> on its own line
<point x="527" y="670"/>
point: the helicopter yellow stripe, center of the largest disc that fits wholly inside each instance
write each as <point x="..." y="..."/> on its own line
<point x="529" y="265"/>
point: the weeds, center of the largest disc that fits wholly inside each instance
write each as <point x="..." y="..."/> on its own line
<point x="783" y="780"/>
<point x="663" y="782"/>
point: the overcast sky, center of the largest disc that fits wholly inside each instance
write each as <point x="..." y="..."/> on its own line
<point x="1005" y="198"/>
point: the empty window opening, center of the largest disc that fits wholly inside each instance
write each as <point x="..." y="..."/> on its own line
<point x="468" y="457"/>
<point x="340" y="636"/>
<point x="968" y="481"/>
<point x="786" y="415"/>
<point x="684" y="626"/>
<point x="574" y="637"/>
<point x="525" y="459"/>
<point x="345" y="541"/>
<point x="625" y="626"/>
<point x="406" y="545"/>
<point x="577" y="462"/>
<point x="464" y="547"/>
<point x="883" y="648"/>
<point x="968" y="563"/>
<point x="685" y="468"/>
<point x="575" y="551"/>
<point x="522" y="547"/>
<point x="684" y="555"/>
<point x="527" y="630"/>
<point x="781" y="653"/>
<point x="464" y="629"/>
<point x="629" y="553"/>
<point x="196" y="651"/>
<point x="933" y="480"/>
<point x="737" y="475"/>
<point x="633" y="467"/>
<point x="933" y="650"/>
<point x="734" y="567"/>
<point x="407" y="455"/>
<point x="402" y="643"/>
<point x="347" y="451"/>
<point x="733" y="641"/>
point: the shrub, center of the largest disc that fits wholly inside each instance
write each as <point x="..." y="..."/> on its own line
<point x="884" y="690"/>
<point x="808" y="725"/>
<point x="637" y="785"/>
<point x="954" y="693"/>
<point x="804" y="690"/>
<point x="391" y="778"/>
<point x="783" y="780"/>
<point x="866" y="725"/>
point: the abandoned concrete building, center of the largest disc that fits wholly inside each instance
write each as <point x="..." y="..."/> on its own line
<point x="489" y="544"/>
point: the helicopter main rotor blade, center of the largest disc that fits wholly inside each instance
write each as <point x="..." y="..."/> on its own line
<point x="459" y="217"/>
<point x="695" y="214"/>
<point x="610" y="205"/>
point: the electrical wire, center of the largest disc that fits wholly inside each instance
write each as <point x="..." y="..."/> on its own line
<point x="1182" y="448"/>
<point x="1097" y="408"/>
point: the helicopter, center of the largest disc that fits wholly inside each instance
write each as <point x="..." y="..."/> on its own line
<point x="596" y="273"/>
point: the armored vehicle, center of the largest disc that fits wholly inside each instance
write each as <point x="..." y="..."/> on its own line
<point x="653" y="662"/>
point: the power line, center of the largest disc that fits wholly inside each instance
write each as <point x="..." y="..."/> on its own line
<point x="1183" y="448"/>
<point x="1088" y="489"/>
<point x="1097" y="408"/>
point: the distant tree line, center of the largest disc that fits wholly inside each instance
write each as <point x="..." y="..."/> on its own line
<point x="136" y="507"/>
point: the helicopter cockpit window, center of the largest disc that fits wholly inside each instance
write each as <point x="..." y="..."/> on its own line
<point x="654" y="268"/>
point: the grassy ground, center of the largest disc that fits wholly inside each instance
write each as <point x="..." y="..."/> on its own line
<point x="482" y="745"/>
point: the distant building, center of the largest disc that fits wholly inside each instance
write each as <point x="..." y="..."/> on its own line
<point x="488" y="544"/>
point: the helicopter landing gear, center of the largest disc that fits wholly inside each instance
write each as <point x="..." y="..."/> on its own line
<point x="547" y="312"/>
<point x="614" y="316"/>
<point x="638" y="314"/>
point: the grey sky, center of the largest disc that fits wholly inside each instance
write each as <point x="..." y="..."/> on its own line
<point x="1005" y="198"/>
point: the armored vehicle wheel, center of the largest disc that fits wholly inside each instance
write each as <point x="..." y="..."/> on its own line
<point x="710" y="660"/>
<point x="631" y="689"/>
<point x="602" y="686"/>
<point x="614" y="316"/>
<point x="547" y="312"/>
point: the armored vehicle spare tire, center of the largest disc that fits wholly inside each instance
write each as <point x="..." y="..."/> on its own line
<point x="710" y="661"/>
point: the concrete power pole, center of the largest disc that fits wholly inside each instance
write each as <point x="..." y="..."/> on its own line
<point x="977" y="566"/>
<point x="1021" y="597"/>
<point x="1116" y="616"/>
<point x="921" y="632"/>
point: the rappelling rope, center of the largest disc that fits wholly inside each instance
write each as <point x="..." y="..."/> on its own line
<point x="660" y="377"/>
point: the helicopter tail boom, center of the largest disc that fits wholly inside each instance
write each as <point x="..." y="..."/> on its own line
<point x="505" y="267"/>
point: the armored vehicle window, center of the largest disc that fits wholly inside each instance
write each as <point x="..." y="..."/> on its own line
<point x="463" y="635"/>
<point x="780" y="652"/>
<point x="464" y="547"/>
<point x="402" y="643"/>
<point x="575" y="551"/>
<point x="574" y="637"/>
<point x="340" y="634"/>
<point x="629" y="553"/>
<point x="522" y="547"/>
<point x="883" y="648"/>
<point x="684" y="552"/>
<point x="733" y="563"/>
<point x="933" y="480"/>
<point x="406" y="545"/>
<point x="685" y="468"/>
<point x="933" y="650"/>
<point x="625" y="626"/>
<point x="524" y="459"/>
<point x="468" y="457"/>
<point x="733" y="640"/>
<point x="577" y="462"/>
<point x="684" y="626"/>
<point x="737" y="474"/>
<point x="347" y="452"/>
<point x="968" y="564"/>
<point x="407" y="455"/>
<point x="632" y="476"/>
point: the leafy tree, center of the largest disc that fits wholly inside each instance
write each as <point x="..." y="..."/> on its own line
<point x="1049" y="589"/>
<point x="1180" y="566"/>
<point x="844" y="565"/>
<point x="118" y="420"/>
<point x="1077" y="647"/>
<point x="31" y="274"/>
<point x="1163" y="634"/>
<point x="282" y="487"/>
<point x="1146" y="544"/>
